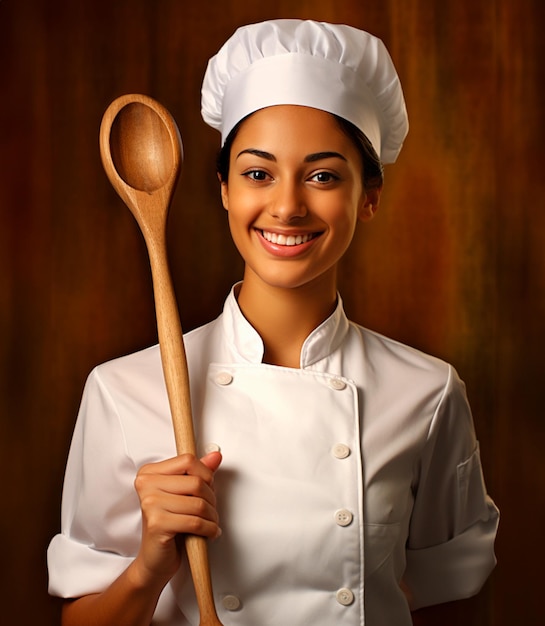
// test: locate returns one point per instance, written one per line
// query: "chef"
(338, 477)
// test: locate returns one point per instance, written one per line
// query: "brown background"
(454, 263)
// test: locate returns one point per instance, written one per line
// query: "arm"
(176, 497)
(450, 551)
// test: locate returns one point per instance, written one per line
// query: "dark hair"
(373, 172)
(373, 175)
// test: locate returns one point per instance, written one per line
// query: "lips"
(287, 246)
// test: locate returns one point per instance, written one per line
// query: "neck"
(284, 318)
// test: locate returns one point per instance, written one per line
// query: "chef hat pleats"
(331, 67)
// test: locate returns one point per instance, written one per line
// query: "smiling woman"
(341, 466)
(293, 174)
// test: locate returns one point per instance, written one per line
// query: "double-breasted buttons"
(345, 596)
(338, 460)
(340, 451)
(231, 602)
(336, 383)
(224, 378)
(343, 517)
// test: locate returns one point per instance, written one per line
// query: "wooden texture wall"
(454, 263)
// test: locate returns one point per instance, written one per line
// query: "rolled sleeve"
(450, 550)
(455, 569)
(100, 521)
(77, 569)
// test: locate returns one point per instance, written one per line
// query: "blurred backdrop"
(453, 264)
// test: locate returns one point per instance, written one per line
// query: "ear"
(224, 194)
(369, 204)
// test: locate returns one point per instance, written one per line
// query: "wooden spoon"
(141, 153)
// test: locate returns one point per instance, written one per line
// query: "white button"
(224, 378)
(340, 451)
(231, 603)
(211, 447)
(336, 383)
(343, 517)
(345, 596)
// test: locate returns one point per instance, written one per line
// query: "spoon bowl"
(141, 147)
(141, 152)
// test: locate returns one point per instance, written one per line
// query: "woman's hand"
(176, 497)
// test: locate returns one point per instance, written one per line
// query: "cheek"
(241, 215)
(236, 233)
(242, 204)
(343, 227)
(343, 215)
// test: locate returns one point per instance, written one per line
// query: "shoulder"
(140, 372)
(423, 391)
(203, 335)
(387, 355)
(133, 369)
(392, 371)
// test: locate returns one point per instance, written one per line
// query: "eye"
(324, 177)
(256, 175)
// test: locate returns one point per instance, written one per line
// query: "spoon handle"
(177, 381)
(173, 357)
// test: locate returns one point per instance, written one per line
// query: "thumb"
(212, 460)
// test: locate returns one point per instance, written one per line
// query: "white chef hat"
(331, 67)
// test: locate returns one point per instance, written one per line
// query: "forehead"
(295, 127)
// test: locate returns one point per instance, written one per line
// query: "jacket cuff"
(453, 570)
(76, 569)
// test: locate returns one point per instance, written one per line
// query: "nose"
(287, 203)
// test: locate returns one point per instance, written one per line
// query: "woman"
(340, 478)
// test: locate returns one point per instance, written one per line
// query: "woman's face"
(294, 195)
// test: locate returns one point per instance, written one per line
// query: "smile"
(287, 240)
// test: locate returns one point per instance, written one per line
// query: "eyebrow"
(310, 158)
(259, 153)
(319, 156)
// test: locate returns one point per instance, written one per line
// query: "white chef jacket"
(338, 479)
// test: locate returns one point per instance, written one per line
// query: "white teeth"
(283, 240)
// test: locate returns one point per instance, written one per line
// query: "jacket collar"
(247, 346)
